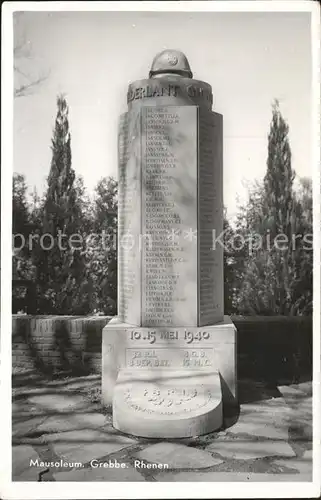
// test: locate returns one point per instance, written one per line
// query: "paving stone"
(301, 420)
(301, 430)
(274, 410)
(177, 456)
(304, 387)
(106, 434)
(288, 390)
(17, 407)
(28, 391)
(92, 419)
(268, 419)
(58, 402)
(26, 427)
(60, 423)
(22, 470)
(83, 384)
(276, 406)
(298, 401)
(100, 474)
(299, 465)
(308, 455)
(303, 406)
(68, 381)
(238, 449)
(227, 477)
(259, 428)
(83, 446)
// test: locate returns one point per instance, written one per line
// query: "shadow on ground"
(61, 417)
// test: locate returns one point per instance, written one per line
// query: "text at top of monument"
(170, 200)
(171, 76)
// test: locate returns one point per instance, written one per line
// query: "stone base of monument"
(139, 359)
(167, 404)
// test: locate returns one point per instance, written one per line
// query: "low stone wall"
(51, 343)
(273, 349)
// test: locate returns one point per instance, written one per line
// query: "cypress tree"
(61, 267)
(61, 196)
(279, 177)
(277, 277)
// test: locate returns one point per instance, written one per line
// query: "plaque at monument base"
(167, 405)
(169, 359)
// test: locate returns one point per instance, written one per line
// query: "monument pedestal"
(141, 366)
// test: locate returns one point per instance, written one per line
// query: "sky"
(249, 59)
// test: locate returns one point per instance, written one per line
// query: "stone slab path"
(62, 433)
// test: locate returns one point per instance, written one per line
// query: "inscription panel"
(170, 358)
(129, 218)
(169, 210)
(210, 185)
(168, 400)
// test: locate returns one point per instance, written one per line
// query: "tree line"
(268, 258)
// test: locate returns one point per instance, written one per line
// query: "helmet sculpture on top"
(170, 61)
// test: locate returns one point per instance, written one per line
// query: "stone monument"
(169, 358)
